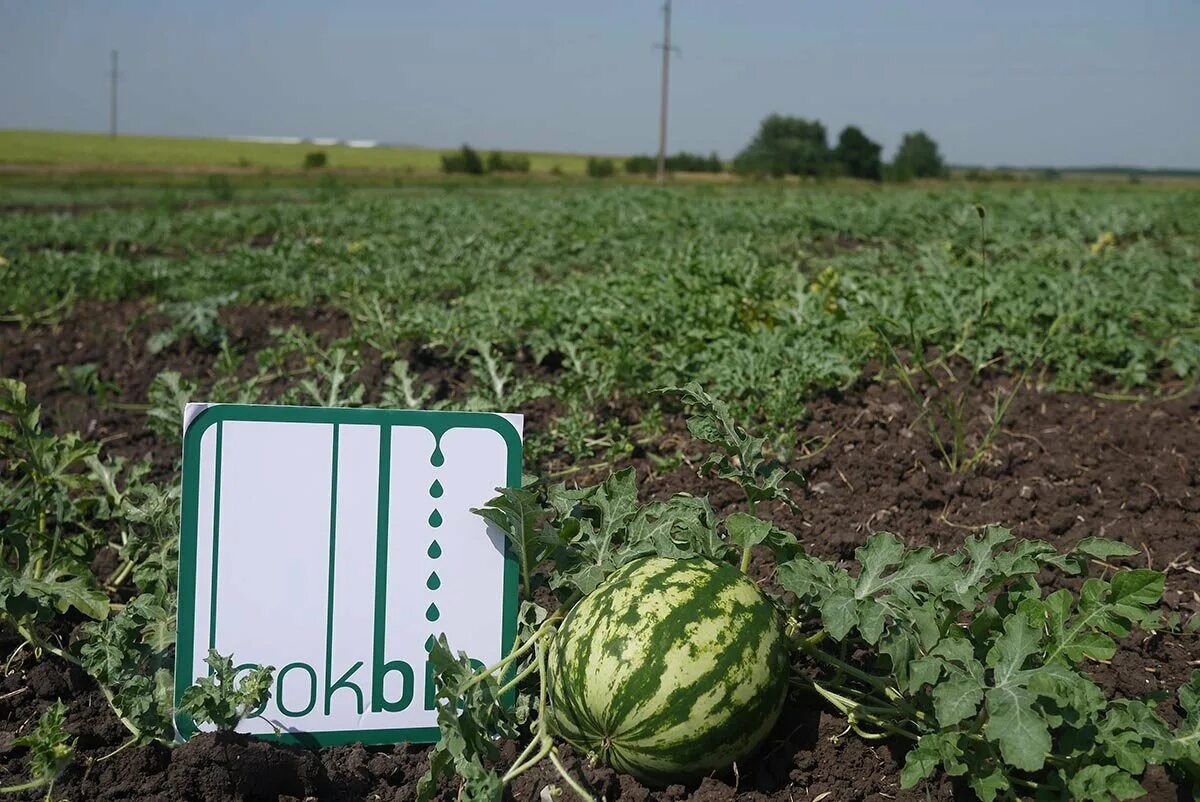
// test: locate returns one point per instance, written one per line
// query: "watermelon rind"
(669, 670)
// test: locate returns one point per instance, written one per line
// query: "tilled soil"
(1066, 467)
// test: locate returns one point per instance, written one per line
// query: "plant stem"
(119, 576)
(746, 552)
(520, 650)
(512, 683)
(38, 643)
(29, 786)
(576, 787)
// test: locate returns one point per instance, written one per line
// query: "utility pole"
(112, 108)
(662, 112)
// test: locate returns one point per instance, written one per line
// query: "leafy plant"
(221, 699)
(198, 320)
(403, 390)
(981, 667)
(85, 380)
(47, 535)
(168, 396)
(944, 402)
(739, 458)
(51, 751)
(966, 654)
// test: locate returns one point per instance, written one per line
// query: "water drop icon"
(435, 519)
(432, 614)
(435, 489)
(429, 644)
(434, 551)
(434, 582)
(437, 459)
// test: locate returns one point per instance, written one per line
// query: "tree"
(466, 160)
(786, 146)
(858, 156)
(918, 157)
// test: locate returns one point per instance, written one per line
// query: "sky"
(1051, 82)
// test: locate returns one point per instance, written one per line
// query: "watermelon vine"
(965, 656)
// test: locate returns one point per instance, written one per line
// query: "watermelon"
(670, 669)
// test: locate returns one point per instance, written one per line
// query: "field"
(99, 151)
(929, 359)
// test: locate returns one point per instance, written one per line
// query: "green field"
(764, 294)
(74, 150)
(860, 349)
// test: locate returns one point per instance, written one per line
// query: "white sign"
(334, 544)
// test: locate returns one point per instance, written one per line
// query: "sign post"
(335, 545)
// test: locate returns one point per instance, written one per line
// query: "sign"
(334, 544)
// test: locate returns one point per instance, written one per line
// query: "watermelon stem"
(746, 553)
(522, 649)
(512, 683)
(576, 787)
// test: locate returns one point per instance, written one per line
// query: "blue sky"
(1015, 82)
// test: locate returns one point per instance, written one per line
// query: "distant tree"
(315, 160)
(682, 162)
(498, 162)
(786, 146)
(858, 156)
(641, 165)
(918, 157)
(465, 160)
(600, 168)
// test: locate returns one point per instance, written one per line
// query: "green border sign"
(438, 423)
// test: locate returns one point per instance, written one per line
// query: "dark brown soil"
(1067, 466)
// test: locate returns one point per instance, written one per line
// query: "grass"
(76, 150)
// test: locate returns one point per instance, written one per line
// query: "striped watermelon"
(668, 670)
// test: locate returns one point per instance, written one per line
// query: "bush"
(682, 162)
(315, 160)
(787, 146)
(466, 160)
(600, 168)
(857, 155)
(498, 162)
(641, 165)
(918, 157)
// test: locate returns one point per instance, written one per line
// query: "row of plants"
(765, 297)
(978, 658)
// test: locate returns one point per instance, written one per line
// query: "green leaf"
(515, 512)
(1013, 721)
(1101, 548)
(684, 526)
(220, 698)
(51, 749)
(956, 700)
(746, 530)
(988, 781)
(839, 613)
(932, 750)
(740, 457)
(1103, 783)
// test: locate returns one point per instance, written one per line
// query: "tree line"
(796, 146)
(782, 146)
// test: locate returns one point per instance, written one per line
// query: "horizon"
(355, 143)
(1083, 86)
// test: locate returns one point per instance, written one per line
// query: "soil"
(1065, 467)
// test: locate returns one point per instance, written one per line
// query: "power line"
(666, 48)
(112, 107)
